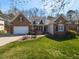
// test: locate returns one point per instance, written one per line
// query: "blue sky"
(5, 5)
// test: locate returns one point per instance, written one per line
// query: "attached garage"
(20, 30)
(20, 25)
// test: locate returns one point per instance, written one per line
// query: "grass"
(42, 48)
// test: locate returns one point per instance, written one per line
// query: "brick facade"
(67, 26)
(19, 20)
(60, 20)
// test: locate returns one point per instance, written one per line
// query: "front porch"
(39, 29)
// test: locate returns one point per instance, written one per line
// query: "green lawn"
(42, 48)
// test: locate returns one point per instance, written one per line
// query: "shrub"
(29, 33)
(72, 33)
(2, 32)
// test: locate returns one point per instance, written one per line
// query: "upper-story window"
(60, 21)
(21, 19)
(34, 22)
(60, 27)
(41, 22)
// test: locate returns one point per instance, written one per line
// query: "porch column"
(43, 28)
(38, 28)
(32, 27)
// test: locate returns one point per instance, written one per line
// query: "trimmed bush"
(78, 34)
(72, 33)
(29, 33)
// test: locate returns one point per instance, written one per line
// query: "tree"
(41, 12)
(48, 6)
(54, 6)
(72, 15)
(10, 15)
(35, 11)
(1, 13)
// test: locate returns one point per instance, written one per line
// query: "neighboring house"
(2, 24)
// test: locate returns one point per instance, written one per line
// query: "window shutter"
(56, 28)
(64, 28)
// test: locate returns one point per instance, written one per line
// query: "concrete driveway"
(8, 39)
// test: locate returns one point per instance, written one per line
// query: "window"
(41, 22)
(60, 21)
(60, 28)
(34, 22)
(21, 19)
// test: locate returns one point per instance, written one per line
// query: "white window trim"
(60, 27)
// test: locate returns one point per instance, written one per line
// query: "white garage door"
(20, 29)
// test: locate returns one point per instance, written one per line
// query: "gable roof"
(61, 16)
(54, 19)
(51, 19)
(38, 19)
(18, 14)
(15, 17)
(2, 19)
(41, 22)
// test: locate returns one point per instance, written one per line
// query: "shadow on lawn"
(60, 38)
